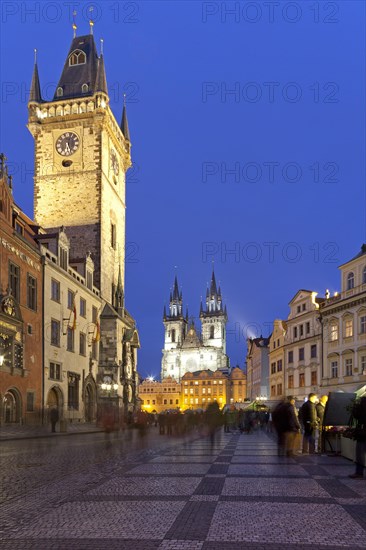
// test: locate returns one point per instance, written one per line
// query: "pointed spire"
(176, 295)
(124, 121)
(74, 26)
(213, 288)
(35, 91)
(101, 80)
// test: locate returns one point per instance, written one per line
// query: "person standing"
(54, 417)
(320, 409)
(309, 421)
(292, 425)
(359, 414)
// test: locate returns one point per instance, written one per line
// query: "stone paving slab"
(161, 500)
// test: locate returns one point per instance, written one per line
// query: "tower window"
(77, 58)
(350, 281)
(173, 335)
(59, 91)
(84, 88)
(113, 235)
(212, 331)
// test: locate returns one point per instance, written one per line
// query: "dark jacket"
(308, 415)
(320, 409)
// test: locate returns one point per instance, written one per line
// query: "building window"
(77, 58)
(304, 307)
(73, 390)
(350, 281)
(273, 390)
(301, 330)
(31, 292)
(333, 332)
(113, 236)
(55, 290)
(70, 299)
(348, 328)
(212, 331)
(273, 368)
(279, 389)
(295, 332)
(165, 401)
(307, 328)
(63, 258)
(19, 228)
(14, 280)
(363, 324)
(348, 367)
(290, 356)
(334, 369)
(298, 309)
(55, 333)
(55, 371)
(60, 91)
(301, 354)
(84, 88)
(82, 307)
(70, 339)
(173, 335)
(82, 344)
(302, 380)
(313, 351)
(290, 381)
(279, 366)
(314, 378)
(30, 401)
(364, 276)
(363, 364)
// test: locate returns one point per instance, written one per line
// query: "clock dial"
(114, 163)
(67, 144)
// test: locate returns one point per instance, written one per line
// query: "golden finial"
(74, 22)
(35, 55)
(101, 46)
(91, 22)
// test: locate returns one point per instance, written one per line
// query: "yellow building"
(160, 396)
(277, 360)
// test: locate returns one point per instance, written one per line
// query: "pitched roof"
(361, 253)
(35, 91)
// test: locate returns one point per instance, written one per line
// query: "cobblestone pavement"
(87, 492)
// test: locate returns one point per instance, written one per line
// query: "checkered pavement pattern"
(233, 495)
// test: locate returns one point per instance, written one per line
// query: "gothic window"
(14, 280)
(59, 92)
(350, 281)
(77, 58)
(173, 335)
(84, 88)
(212, 331)
(113, 236)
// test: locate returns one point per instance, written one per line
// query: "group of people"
(291, 423)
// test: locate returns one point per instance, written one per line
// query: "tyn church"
(186, 349)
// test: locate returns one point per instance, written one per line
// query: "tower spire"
(74, 26)
(124, 121)
(101, 80)
(35, 90)
(91, 22)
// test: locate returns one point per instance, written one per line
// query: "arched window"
(173, 335)
(77, 58)
(350, 280)
(84, 88)
(364, 276)
(212, 331)
(60, 91)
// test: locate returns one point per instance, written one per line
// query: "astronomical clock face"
(114, 163)
(67, 144)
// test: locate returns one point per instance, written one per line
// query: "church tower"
(81, 158)
(214, 318)
(175, 325)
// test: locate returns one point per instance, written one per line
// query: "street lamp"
(1, 359)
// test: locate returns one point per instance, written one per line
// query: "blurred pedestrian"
(359, 414)
(291, 425)
(279, 417)
(320, 409)
(54, 417)
(309, 421)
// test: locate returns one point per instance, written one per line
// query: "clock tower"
(81, 158)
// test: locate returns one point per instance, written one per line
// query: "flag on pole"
(96, 333)
(73, 315)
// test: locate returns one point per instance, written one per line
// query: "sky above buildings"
(248, 143)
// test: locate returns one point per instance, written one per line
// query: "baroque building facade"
(257, 361)
(186, 349)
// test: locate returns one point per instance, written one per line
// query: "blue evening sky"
(248, 138)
